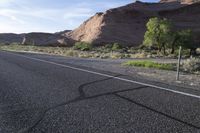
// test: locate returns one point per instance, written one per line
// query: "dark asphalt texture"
(38, 97)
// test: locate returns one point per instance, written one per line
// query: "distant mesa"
(37, 38)
(8, 38)
(46, 39)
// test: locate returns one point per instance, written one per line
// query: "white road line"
(106, 75)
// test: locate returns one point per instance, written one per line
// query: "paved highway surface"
(41, 95)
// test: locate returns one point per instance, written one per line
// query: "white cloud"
(5, 1)
(11, 14)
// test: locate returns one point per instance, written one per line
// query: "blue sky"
(21, 16)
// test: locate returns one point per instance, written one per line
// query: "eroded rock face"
(89, 31)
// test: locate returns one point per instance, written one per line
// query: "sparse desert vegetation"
(79, 50)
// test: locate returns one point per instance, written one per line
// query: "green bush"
(116, 46)
(14, 43)
(108, 46)
(84, 46)
(150, 64)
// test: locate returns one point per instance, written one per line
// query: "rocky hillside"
(126, 25)
(46, 39)
(39, 39)
(7, 38)
(181, 1)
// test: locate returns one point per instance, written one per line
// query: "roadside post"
(178, 65)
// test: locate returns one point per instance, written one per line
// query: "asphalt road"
(41, 95)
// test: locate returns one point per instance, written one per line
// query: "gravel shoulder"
(163, 76)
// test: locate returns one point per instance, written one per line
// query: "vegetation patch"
(150, 64)
(160, 35)
(116, 47)
(82, 52)
(83, 46)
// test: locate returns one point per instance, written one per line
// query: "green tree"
(158, 33)
(185, 39)
(175, 38)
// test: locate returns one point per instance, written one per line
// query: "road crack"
(156, 111)
(82, 96)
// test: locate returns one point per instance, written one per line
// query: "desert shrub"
(71, 52)
(191, 65)
(150, 64)
(108, 46)
(198, 51)
(116, 46)
(103, 49)
(14, 43)
(184, 53)
(104, 56)
(116, 55)
(139, 54)
(84, 46)
(84, 55)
